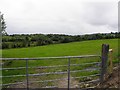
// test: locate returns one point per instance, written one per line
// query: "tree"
(2, 25)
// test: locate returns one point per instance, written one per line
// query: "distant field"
(67, 49)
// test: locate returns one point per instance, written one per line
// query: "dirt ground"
(112, 80)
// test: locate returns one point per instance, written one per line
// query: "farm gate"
(55, 72)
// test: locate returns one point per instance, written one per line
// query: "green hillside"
(67, 49)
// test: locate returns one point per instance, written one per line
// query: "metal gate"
(54, 72)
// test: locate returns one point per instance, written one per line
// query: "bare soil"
(64, 83)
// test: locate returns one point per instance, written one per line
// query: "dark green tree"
(2, 25)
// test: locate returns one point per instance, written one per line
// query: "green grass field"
(67, 49)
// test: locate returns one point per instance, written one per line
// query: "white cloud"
(59, 16)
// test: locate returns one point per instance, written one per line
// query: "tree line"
(30, 40)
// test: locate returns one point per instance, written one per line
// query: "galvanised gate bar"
(66, 71)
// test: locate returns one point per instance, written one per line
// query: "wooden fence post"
(105, 51)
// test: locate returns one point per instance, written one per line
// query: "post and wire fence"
(55, 72)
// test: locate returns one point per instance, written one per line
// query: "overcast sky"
(60, 16)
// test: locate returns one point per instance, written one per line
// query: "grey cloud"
(101, 14)
(60, 16)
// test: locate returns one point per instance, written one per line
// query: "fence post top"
(105, 44)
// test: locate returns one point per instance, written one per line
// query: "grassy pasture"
(67, 49)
